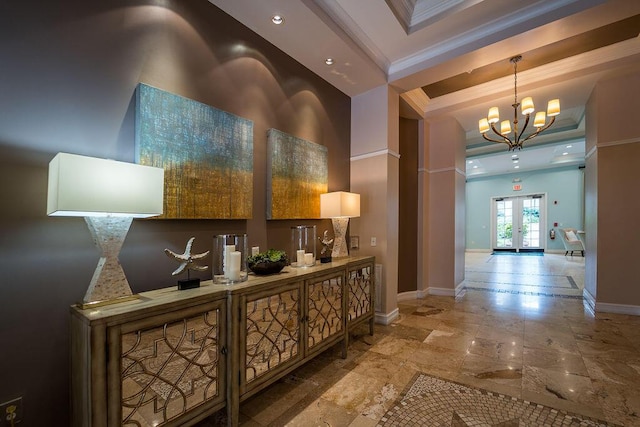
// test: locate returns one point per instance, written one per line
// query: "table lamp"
(339, 206)
(108, 194)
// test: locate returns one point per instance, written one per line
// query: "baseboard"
(443, 292)
(604, 307)
(632, 310)
(411, 295)
(485, 251)
(386, 319)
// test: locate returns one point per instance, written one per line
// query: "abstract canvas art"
(297, 173)
(206, 153)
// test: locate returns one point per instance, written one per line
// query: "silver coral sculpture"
(187, 259)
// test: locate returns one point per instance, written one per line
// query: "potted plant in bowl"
(269, 262)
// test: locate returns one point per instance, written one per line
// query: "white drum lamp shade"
(88, 186)
(339, 206)
(109, 194)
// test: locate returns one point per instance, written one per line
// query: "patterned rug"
(431, 401)
(521, 253)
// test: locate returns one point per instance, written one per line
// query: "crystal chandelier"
(516, 140)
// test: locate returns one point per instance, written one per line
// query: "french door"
(518, 223)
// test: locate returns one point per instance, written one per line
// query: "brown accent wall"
(408, 210)
(69, 70)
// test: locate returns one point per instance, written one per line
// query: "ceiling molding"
(428, 12)
(403, 11)
(501, 27)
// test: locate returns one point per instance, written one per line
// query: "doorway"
(518, 223)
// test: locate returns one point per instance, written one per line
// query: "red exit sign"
(517, 187)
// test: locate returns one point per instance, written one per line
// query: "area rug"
(517, 253)
(431, 401)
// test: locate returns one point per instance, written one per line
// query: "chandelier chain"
(515, 81)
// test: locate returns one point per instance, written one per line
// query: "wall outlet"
(374, 242)
(11, 410)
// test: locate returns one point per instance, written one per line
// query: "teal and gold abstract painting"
(297, 173)
(206, 153)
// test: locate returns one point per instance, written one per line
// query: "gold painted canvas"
(206, 153)
(297, 173)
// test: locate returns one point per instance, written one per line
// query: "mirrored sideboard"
(172, 358)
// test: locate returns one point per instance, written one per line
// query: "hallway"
(504, 335)
(532, 274)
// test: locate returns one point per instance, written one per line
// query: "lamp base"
(108, 281)
(188, 284)
(340, 237)
(325, 259)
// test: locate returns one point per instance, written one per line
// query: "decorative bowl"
(269, 262)
(267, 267)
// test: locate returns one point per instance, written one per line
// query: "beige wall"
(446, 229)
(612, 177)
(374, 175)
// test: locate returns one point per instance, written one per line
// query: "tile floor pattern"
(506, 336)
(444, 403)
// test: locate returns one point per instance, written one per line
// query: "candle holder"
(230, 258)
(303, 246)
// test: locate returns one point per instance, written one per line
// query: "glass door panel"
(518, 223)
(530, 230)
(504, 224)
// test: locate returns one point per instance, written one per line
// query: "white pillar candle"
(300, 258)
(225, 260)
(308, 259)
(234, 265)
(255, 250)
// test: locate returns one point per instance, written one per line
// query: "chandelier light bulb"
(527, 106)
(494, 115)
(505, 127)
(540, 119)
(553, 107)
(483, 125)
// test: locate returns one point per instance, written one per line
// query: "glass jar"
(303, 246)
(230, 258)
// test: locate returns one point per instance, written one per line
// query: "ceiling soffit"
(599, 37)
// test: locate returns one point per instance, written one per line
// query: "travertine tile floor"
(520, 329)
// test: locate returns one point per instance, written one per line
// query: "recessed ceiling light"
(277, 19)
(514, 156)
(516, 167)
(328, 61)
(475, 167)
(565, 153)
(569, 146)
(470, 161)
(516, 161)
